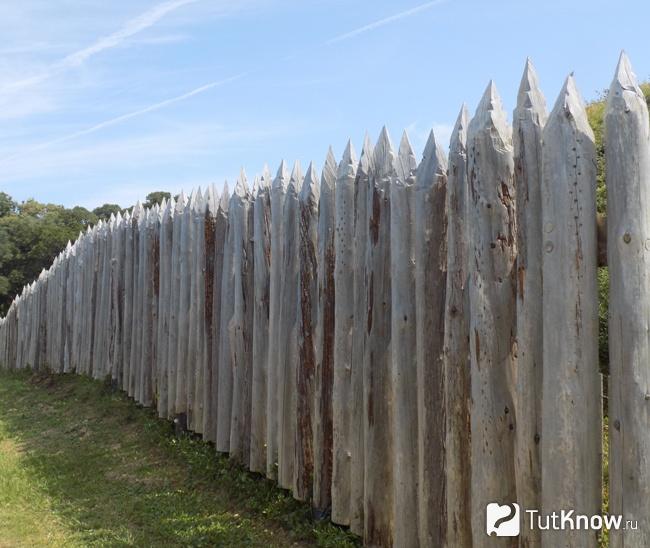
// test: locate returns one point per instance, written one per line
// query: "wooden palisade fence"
(398, 343)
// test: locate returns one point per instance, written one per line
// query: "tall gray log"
(127, 299)
(403, 341)
(571, 408)
(206, 261)
(528, 122)
(323, 384)
(430, 243)
(307, 321)
(357, 468)
(224, 399)
(343, 326)
(197, 316)
(287, 388)
(261, 260)
(220, 234)
(117, 289)
(164, 309)
(137, 318)
(627, 140)
(175, 286)
(278, 193)
(241, 328)
(69, 305)
(492, 288)
(183, 363)
(456, 344)
(377, 387)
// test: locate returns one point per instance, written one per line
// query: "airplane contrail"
(151, 17)
(128, 116)
(385, 21)
(130, 28)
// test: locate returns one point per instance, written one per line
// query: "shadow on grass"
(117, 475)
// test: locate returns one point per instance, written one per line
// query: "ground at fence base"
(82, 465)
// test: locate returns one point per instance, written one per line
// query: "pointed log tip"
(530, 96)
(431, 145)
(281, 177)
(297, 177)
(309, 189)
(490, 101)
(349, 154)
(241, 187)
(367, 147)
(570, 108)
(405, 147)
(384, 156)
(458, 140)
(625, 76)
(282, 170)
(225, 197)
(328, 175)
(490, 114)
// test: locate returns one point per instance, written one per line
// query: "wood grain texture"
(528, 122)
(303, 477)
(430, 249)
(492, 255)
(403, 342)
(324, 376)
(627, 138)
(343, 329)
(377, 390)
(262, 257)
(571, 410)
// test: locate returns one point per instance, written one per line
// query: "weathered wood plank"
(403, 342)
(196, 335)
(430, 245)
(287, 372)
(378, 409)
(206, 261)
(360, 277)
(571, 407)
(343, 329)
(456, 343)
(627, 149)
(220, 234)
(492, 307)
(307, 320)
(164, 308)
(278, 193)
(241, 329)
(224, 399)
(175, 285)
(324, 379)
(528, 122)
(261, 260)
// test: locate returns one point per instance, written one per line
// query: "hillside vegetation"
(596, 112)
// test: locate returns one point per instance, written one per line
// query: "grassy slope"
(81, 465)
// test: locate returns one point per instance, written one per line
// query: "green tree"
(157, 197)
(7, 205)
(105, 211)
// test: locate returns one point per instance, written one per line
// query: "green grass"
(82, 465)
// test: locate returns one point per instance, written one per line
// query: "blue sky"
(107, 101)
